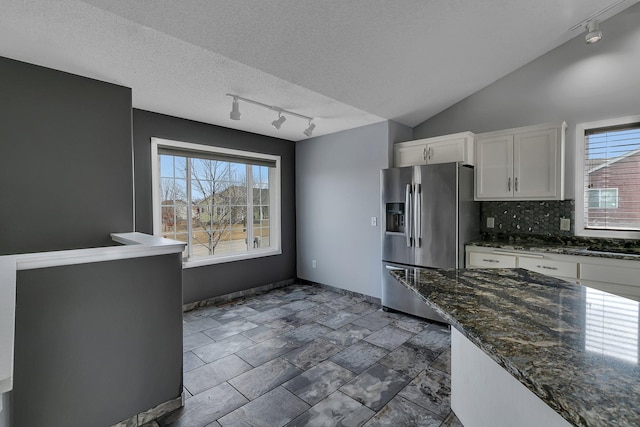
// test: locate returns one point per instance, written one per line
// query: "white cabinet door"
(536, 158)
(409, 154)
(454, 150)
(521, 164)
(494, 167)
(457, 147)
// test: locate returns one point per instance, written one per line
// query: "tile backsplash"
(527, 217)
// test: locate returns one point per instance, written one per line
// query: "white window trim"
(579, 180)
(274, 195)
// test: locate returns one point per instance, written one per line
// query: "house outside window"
(225, 204)
(608, 178)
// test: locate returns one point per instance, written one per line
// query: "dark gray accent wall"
(97, 343)
(209, 281)
(65, 168)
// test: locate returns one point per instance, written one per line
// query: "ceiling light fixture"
(308, 131)
(235, 109)
(594, 34)
(277, 124)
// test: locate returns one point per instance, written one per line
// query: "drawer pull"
(518, 254)
(490, 260)
(547, 267)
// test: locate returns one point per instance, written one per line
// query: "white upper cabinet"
(442, 149)
(521, 164)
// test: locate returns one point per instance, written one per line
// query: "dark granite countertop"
(591, 251)
(565, 342)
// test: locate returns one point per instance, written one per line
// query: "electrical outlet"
(565, 224)
(313, 263)
(374, 221)
(491, 222)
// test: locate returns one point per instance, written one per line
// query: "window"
(602, 198)
(225, 204)
(608, 178)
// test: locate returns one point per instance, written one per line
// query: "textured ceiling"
(347, 63)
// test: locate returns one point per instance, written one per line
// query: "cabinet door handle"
(546, 267)
(429, 152)
(424, 153)
(515, 184)
(509, 184)
(490, 260)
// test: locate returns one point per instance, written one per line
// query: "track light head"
(235, 110)
(308, 131)
(594, 34)
(277, 124)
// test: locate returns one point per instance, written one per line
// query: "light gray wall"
(337, 193)
(575, 82)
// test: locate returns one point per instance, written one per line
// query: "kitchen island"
(573, 348)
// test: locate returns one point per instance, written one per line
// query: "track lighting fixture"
(592, 24)
(308, 131)
(594, 34)
(235, 109)
(279, 121)
(277, 124)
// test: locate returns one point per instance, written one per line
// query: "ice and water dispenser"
(395, 217)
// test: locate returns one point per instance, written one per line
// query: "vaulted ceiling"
(347, 63)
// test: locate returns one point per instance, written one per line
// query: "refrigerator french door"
(428, 215)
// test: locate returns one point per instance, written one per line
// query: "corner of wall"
(5, 409)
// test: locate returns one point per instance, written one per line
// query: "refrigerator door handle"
(418, 216)
(408, 214)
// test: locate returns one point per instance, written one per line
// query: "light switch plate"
(491, 222)
(565, 224)
(374, 221)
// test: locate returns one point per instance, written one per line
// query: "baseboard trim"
(148, 418)
(367, 298)
(222, 299)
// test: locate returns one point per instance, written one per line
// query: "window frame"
(275, 237)
(580, 201)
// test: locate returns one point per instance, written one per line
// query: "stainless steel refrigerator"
(428, 214)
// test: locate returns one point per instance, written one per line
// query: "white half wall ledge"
(133, 245)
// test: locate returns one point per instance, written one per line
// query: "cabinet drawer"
(610, 274)
(627, 291)
(479, 259)
(549, 267)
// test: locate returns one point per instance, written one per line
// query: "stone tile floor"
(307, 356)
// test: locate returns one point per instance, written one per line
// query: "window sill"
(201, 262)
(608, 234)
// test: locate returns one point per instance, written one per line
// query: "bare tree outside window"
(219, 206)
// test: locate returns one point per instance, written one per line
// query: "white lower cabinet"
(616, 276)
(484, 260)
(555, 268)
